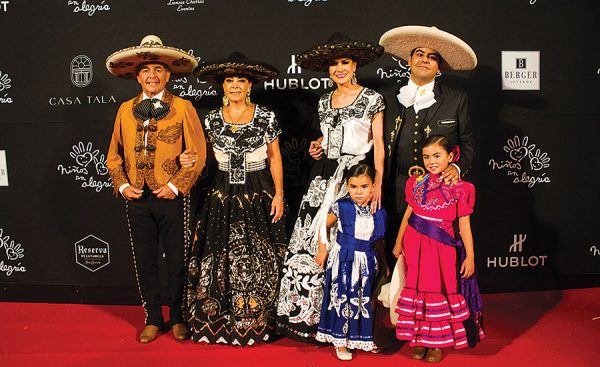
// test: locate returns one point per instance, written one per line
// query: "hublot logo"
(296, 83)
(517, 261)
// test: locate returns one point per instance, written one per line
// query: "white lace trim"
(367, 346)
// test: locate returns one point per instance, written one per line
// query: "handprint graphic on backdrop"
(13, 251)
(538, 160)
(101, 168)
(4, 81)
(294, 153)
(83, 154)
(518, 149)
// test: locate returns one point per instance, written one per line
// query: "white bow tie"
(421, 98)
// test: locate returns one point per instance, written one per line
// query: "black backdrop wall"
(64, 237)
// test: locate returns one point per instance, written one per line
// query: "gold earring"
(247, 97)
(225, 101)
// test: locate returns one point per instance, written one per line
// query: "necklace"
(236, 122)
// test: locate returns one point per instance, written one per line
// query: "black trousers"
(150, 218)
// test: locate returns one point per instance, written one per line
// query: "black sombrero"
(215, 71)
(339, 45)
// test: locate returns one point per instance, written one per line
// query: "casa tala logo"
(81, 72)
(12, 255)
(191, 87)
(525, 163)
(517, 256)
(293, 82)
(4, 5)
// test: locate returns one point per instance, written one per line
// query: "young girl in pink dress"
(437, 309)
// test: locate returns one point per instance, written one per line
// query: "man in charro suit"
(421, 108)
(150, 132)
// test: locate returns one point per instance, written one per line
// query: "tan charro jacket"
(157, 163)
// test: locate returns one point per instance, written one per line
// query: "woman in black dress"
(233, 277)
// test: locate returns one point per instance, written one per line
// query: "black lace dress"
(234, 268)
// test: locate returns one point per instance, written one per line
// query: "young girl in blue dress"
(346, 315)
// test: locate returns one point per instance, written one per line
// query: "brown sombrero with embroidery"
(339, 45)
(237, 64)
(401, 41)
(124, 63)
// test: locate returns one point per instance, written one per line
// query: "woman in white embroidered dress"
(351, 121)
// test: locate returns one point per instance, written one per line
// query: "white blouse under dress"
(346, 129)
(238, 145)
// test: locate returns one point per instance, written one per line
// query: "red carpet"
(545, 329)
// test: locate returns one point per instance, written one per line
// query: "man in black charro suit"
(421, 108)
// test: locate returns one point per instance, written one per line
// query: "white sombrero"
(401, 41)
(123, 63)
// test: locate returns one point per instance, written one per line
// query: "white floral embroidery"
(316, 192)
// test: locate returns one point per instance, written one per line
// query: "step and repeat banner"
(533, 97)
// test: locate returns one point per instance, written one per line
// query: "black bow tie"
(149, 108)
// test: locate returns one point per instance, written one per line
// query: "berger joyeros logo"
(90, 8)
(87, 166)
(81, 72)
(296, 83)
(517, 258)
(525, 163)
(185, 87)
(4, 85)
(520, 70)
(13, 253)
(92, 253)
